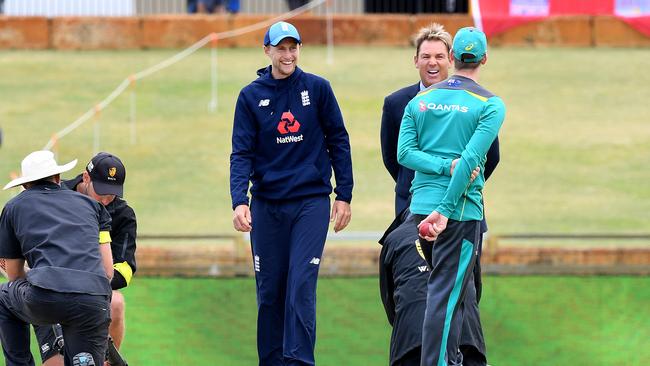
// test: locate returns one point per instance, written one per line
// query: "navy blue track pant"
(83, 318)
(287, 239)
(453, 256)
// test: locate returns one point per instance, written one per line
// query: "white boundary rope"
(170, 61)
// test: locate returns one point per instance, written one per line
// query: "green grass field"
(574, 147)
(574, 154)
(536, 321)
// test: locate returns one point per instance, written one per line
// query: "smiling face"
(433, 62)
(284, 57)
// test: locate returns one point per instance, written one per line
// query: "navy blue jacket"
(287, 136)
(391, 119)
(123, 235)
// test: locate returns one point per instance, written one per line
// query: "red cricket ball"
(425, 229)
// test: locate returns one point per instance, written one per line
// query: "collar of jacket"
(265, 77)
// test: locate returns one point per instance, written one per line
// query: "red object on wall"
(495, 14)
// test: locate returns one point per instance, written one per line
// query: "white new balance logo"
(264, 103)
(315, 261)
(423, 268)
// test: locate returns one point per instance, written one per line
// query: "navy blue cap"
(279, 31)
(107, 174)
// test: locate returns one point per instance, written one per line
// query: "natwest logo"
(288, 123)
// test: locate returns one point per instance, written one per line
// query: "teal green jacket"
(456, 118)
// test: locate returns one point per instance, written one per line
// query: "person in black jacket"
(288, 135)
(103, 180)
(403, 273)
(64, 238)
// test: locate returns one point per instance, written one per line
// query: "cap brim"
(44, 174)
(279, 39)
(102, 189)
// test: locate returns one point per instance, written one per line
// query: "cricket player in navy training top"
(288, 136)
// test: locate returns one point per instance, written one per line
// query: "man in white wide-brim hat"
(62, 235)
(39, 165)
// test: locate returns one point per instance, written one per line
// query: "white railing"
(55, 8)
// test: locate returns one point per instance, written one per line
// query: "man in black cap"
(103, 180)
(64, 238)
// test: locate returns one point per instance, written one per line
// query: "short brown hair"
(434, 32)
(460, 65)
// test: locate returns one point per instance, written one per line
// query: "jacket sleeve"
(409, 153)
(388, 138)
(123, 247)
(486, 132)
(338, 143)
(493, 157)
(386, 285)
(244, 135)
(9, 244)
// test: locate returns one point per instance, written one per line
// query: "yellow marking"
(419, 248)
(125, 270)
(104, 237)
(484, 99)
(469, 47)
(462, 211)
(427, 90)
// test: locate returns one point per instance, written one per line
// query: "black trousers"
(83, 318)
(452, 258)
(410, 358)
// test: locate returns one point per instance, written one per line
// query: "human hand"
(432, 226)
(241, 218)
(341, 215)
(475, 172)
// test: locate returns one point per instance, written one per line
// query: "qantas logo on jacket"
(288, 124)
(442, 107)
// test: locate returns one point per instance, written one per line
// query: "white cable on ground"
(172, 60)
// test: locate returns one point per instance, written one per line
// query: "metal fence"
(282, 6)
(53, 8)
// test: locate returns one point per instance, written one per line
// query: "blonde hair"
(434, 32)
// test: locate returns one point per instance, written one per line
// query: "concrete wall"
(177, 31)
(229, 261)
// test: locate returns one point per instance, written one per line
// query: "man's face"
(284, 57)
(104, 199)
(433, 62)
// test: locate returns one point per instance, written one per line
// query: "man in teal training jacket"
(446, 132)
